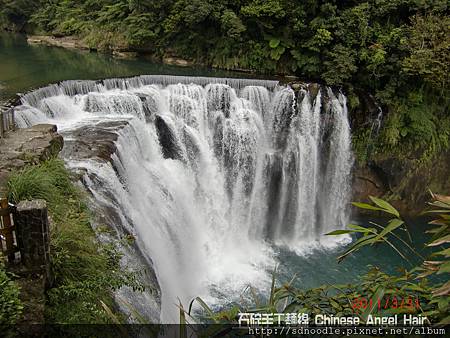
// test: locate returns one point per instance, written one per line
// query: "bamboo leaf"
(392, 225)
(204, 306)
(445, 321)
(440, 241)
(441, 204)
(360, 228)
(378, 294)
(114, 319)
(363, 241)
(440, 198)
(366, 206)
(445, 252)
(414, 287)
(109, 312)
(183, 322)
(334, 304)
(444, 268)
(437, 211)
(387, 207)
(443, 290)
(339, 232)
(437, 230)
(272, 287)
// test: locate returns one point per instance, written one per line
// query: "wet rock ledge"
(64, 42)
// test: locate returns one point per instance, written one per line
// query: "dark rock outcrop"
(167, 140)
(406, 182)
(93, 141)
(367, 182)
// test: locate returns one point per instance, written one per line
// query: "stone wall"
(406, 183)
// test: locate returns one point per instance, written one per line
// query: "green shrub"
(10, 305)
(49, 181)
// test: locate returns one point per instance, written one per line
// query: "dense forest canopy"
(397, 50)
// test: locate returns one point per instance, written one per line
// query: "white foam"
(252, 171)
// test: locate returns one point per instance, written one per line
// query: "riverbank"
(73, 42)
(64, 42)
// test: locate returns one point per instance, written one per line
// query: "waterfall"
(208, 174)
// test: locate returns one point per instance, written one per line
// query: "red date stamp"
(387, 302)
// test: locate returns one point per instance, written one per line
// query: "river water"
(25, 66)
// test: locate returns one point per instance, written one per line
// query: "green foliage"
(14, 14)
(364, 45)
(418, 121)
(428, 43)
(394, 233)
(437, 294)
(232, 24)
(439, 262)
(346, 300)
(321, 38)
(45, 181)
(340, 66)
(85, 271)
(262, 8)
(10, 305)
(381, 38)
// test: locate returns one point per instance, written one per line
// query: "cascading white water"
(209, 174)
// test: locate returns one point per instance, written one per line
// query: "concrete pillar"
(32, 234)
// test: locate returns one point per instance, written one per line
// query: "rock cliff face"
(27, 146)
(406, 181)
(367, 183)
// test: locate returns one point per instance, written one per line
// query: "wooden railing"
(7, 230)
(7, 121)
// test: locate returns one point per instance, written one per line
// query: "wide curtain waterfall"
(209, 175)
